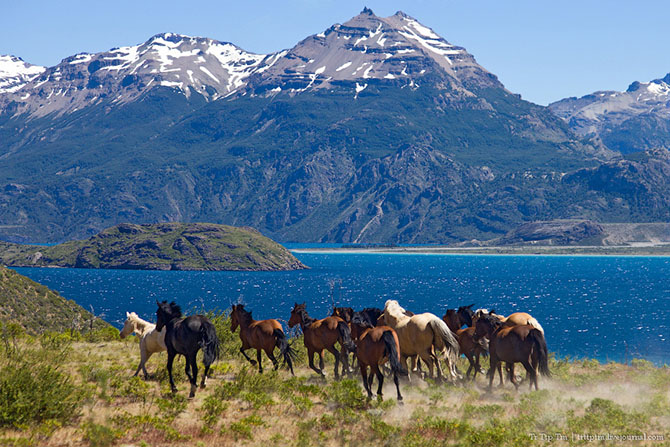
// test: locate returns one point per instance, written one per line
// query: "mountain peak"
(367, 11)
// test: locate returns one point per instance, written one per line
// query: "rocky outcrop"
(558, 232)
(168, 246)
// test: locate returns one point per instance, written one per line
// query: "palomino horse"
(374, 346)
(186, 337)
(511, 344)
(151, 340)
(323, 334)
(472, 349)
(422, 335)
(261, 335)
(515, 319)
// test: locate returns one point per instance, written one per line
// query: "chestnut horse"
(511, 344)
(517, 318)
(374, 346)
(323, 334)
(261, 335)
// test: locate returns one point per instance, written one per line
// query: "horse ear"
(470, 306)
(157, 303)
(492, 311)
(127, 315)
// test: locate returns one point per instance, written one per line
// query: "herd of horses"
(381, 340)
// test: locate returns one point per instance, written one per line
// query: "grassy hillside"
(100, 404)
(38, 309)
(167, 246)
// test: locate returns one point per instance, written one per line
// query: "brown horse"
(323, 334)
(374, 346)
(514, 319)
(261, 335)
(511, 344)
(469, 347)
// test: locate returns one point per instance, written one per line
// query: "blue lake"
(609, 308)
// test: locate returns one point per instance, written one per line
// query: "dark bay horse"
(511, 344)
(261, 335)
(375, 345)
(323, 334)
(469, 347)
(370, 314)
(186, 337)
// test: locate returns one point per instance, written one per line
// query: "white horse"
(151, 340)
(422, 335)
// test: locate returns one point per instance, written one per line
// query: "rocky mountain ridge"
(633, 120)
(367, 49)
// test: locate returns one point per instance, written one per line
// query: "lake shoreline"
(659, 250)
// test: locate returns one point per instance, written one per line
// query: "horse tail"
(391, 351)
(345, 336)
(540, 346)
(444, 338)
(287, 352)
(209, 342)
(536, 324)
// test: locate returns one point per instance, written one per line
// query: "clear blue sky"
(544, 50)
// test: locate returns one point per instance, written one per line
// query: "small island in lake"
(162, 246)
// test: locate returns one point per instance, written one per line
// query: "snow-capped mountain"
(188, 64)
(367, 49)
(636, 119)
(15, 73)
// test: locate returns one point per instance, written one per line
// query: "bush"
(32, 393)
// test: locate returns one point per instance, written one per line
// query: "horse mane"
(306, 319)
(171, 309)
(245, 314)
(492, 320)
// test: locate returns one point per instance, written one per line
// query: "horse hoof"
(253, 362)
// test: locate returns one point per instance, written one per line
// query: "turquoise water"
(610, 308)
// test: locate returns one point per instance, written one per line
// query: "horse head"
(358, 326)
(452, 319)
(296, 314)
(485, 326)
(165, 313)
(345, 313)
(129, 325)
(465, 314)
(234, 318)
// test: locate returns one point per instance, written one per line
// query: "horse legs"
(170, 360)
(492, 369)
(403, 362)
(380, 379)
(203, 382)
(397, 385)
(272, 358)
(143, 359)
(194, 370)
(512, 376)
(468, 355)
(335, 353)
(532, 372)
(252, 361)
(364, 374)
(310, 357)
(258, 357)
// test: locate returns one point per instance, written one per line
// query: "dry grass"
(241, 407)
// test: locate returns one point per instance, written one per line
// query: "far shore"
(645, 249)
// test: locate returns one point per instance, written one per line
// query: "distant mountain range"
(631, 121)
(375, 130)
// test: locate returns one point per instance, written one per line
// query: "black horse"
(186, 337)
